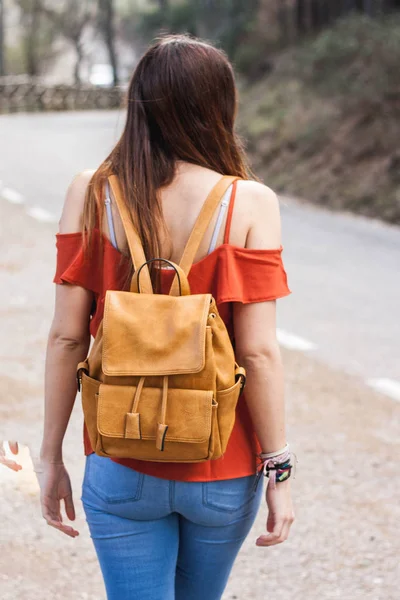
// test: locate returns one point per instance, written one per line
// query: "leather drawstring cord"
(162, 427)
(136, 399)
(132, 423)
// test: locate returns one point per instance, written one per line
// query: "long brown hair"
(182, 105)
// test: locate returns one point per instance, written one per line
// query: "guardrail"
(33, 95)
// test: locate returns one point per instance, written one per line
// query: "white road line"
(294, 342)
(40, 214)
(36, 212)
(11, 196)
(386, 386)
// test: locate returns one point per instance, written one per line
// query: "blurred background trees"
(69, 20)
(319, 79)
(32, 31)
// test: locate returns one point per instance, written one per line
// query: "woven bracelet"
(282, 471)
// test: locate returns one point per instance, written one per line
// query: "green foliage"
(227, 23)
(325, 124)
(15, 60)
(35, 47)
(357, 57)
(246, 56)
(176, 18)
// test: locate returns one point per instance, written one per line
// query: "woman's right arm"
(257, 350)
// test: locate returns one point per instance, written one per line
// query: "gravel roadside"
(344, 543)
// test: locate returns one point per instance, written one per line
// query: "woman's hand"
(280, 514)
(11, 464)
(55, 485)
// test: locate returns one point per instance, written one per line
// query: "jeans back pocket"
(229, 495)
(111, 482)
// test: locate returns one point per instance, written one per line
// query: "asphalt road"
(344, 271)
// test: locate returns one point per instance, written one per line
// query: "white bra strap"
(110, 219)
(213, 244)
(222, 210)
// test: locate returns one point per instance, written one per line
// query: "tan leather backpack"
(161, 382)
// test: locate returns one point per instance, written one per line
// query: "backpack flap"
(154, 334)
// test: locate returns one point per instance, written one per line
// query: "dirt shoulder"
(344, 542)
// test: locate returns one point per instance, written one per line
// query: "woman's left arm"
(68, 344)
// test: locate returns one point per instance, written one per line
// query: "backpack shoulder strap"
(230, 214)
(201, 225)
(134, 242)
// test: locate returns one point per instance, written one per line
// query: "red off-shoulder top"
(231, 274)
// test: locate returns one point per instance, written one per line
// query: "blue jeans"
(158, 539)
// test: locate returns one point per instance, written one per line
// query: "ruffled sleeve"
(247, 275)
(100, 268)
(77, 267)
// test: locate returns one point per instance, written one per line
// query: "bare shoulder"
(256, 196)
(71, 218)
(258, 206)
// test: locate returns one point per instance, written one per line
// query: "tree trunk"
(368, 6)
(2, 41)
(78, 61)
(329, 11)
(300, 16)
(282, 11)
(349, 5)
(304, 15)
(107, 24)
(32, 65)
